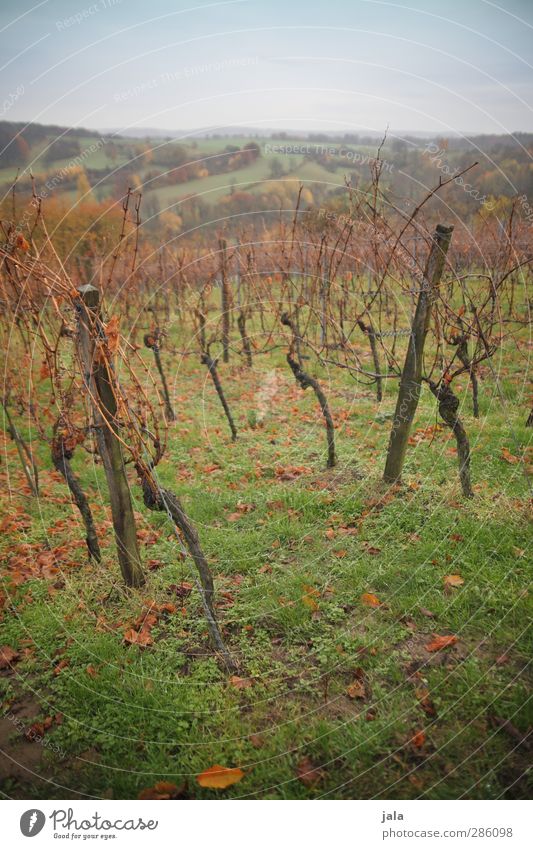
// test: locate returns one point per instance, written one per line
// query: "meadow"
(333, 591)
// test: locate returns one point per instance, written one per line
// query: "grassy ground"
(335, 698)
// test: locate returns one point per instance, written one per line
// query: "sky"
(464, 66)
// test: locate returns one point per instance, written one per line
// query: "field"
(332, 589)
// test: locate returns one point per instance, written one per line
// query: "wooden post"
(104, 407)
(410, 383)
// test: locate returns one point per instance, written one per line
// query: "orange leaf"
(508, 457)
(439, 642)
(418, 739)
(219, 777)
(370, 600)
(356, 690)
(453, 581)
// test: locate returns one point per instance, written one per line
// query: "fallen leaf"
(240, 683)
(308, 773)
(7, 656)
(370, 600)
(181, 590)
(418, 739)
(309, 597)
(137, 638)
(453, 581)
(439, 642)
(152, 565)
(356, 690)
(219, 777)
(508, 457)
(162, 790)
(58, 668)
(422, 694)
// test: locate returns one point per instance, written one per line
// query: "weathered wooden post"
(104, 406)
(410, 383)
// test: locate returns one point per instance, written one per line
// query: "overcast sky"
(343, 65)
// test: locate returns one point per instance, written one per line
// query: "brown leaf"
(240, 683)
(7, 656)
(219, 777)
(181, 590)
(308, 773)
(137, 638)
(58, 668)
(162, 790)
(422, 694)
(152, 565)
(440, 642)
(112, 334)
(167, 607)
(356, 690)
(257, 741)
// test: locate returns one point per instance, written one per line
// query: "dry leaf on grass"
(453, 581)
(438, 642)
(240, 683)
(356, 690)
(308, 773)
(7, 656)
(370, 600)
(162, 790)
(418, 739)
(219, 777)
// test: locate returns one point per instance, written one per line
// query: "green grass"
(169, 711)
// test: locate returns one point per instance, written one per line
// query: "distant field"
(126, 151)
